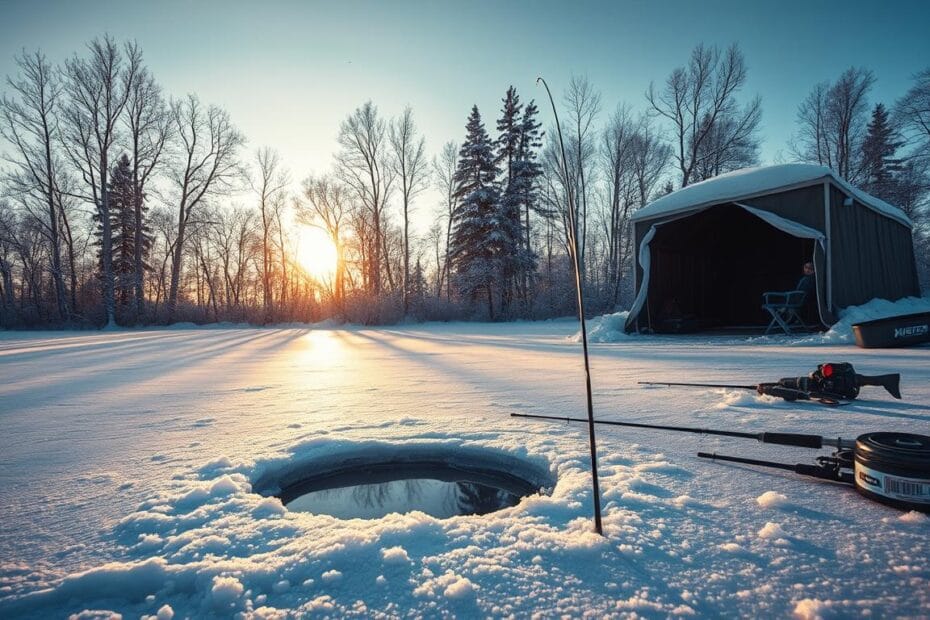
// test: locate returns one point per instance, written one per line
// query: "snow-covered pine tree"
(508, 141)
(525, 184)
(123, 231)
(508, 211)
(122, 216)
(516, 156)
(419, 289)
(878, 156)
(476, 239)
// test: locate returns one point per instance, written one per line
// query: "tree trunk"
(106, 248)
(72, 260)
(406, 251)
(172, 302)
(60, 295)
(138, 265)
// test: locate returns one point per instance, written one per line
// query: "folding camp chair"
(784, 307)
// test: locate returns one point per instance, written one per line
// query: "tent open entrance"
(708, 270)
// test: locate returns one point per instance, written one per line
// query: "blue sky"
(289, 72)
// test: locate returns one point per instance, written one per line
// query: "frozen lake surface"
(130, 463)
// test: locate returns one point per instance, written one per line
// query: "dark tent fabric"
(706, 254)
(888, 265)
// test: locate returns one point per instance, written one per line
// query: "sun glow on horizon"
(316, 253)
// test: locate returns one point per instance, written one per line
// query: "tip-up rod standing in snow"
(831, 384)
(891, 468)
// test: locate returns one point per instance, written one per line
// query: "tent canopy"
(706, 253)
(749, 182)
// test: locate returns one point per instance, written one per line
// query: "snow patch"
(227, 485)
(96, 614)
(772, 530)
(842, 331)
(269, 507)
(771, 499)
(395, 555)
(226, 591)
(812, 609)
(331, 576)
(165, 612)
(915, 518)
(459, 589)
(449, 585)
(606, 328)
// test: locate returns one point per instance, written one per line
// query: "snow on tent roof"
(746, 182)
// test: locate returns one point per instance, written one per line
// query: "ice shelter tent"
(707, 252)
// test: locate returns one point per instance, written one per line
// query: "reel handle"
(779, 390)
(792, 439)
(891, 382)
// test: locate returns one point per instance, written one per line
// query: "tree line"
(123, 205)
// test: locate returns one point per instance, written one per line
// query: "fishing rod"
(782, 439)
(832, 384)
(579, 292)
(887, 467)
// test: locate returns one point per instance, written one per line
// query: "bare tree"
(234, 233)
(410, 168)
(7, 223)
(150, 129)
(270, 185)
(327, 207)
(278, 211)
(833, 120)
(617, 155)
(651, 158)
(98, 88)
(362, 163)
(29, 123)
(444, 168)
(584, 105)
(699, 101)
(207, 164)
(912, 114)
(720, 152)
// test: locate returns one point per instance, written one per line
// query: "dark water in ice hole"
(436, 489)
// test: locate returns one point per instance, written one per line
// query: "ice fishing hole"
(371, 489)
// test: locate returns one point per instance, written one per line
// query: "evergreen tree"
(878, 156)
(526, 173)
(419, 289)
(508, 141)
(123, 231)
(476, 239)
(508, 212)
(516, 155)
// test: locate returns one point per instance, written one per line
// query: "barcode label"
(906, 487)
(912, 490)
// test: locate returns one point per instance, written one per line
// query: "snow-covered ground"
(127, 462)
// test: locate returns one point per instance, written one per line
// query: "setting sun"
(315, 252)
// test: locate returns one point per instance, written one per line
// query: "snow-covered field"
(127, 461)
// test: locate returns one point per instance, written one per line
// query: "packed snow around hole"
(132, 463)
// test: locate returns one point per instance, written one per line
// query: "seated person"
(808, 284)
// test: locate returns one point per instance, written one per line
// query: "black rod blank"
(814, 471)
(783, 439)
(710, 385)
